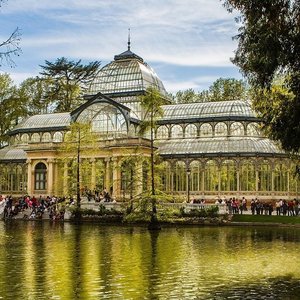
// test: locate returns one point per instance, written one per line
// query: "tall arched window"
(166, 177)
(280, 177)
(247, 176)
(191, 131)
(195, 177)
(40, 177)
(211, 176)
(179, 177)
(264, 176)
(228, 176)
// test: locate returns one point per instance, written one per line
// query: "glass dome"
(126, 74)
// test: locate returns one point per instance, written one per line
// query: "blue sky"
(187, 42)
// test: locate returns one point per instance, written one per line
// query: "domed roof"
(126, 74)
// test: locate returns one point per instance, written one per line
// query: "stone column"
(65, 179)
(116, 179)
(50, 181)
(107, 183)
(138, 178)
(93, 179)
(29, 177)
(55, 179)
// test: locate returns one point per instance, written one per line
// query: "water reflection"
(65, 261)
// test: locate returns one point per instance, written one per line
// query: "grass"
(266, 219)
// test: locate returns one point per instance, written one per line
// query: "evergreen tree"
(70, 80)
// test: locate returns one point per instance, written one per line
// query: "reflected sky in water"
(65, 261)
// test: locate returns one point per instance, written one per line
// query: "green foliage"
(269, 48)
(32, 92)
(11, 107)
(223, 89)
(69, 80)
(79, 145)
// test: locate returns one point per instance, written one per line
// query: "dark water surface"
(65, 261)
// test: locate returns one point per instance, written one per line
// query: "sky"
(187, 42)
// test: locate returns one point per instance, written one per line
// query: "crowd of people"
(34, 207)
(256, 206)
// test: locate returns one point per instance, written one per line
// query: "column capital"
(28, 161)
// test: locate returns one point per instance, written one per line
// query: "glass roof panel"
(125, 75)
(220, 145)
(45, 121)
(208, 109)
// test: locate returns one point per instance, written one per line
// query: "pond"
(44, 260)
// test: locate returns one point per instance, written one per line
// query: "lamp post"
(188, 173)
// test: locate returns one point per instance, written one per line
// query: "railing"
(187, 206)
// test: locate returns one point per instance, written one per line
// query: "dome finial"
(128, 39)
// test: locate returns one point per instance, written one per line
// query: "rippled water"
(65, 261)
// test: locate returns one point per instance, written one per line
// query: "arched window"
(206, 130)
(195, 177)
(280, 177)
(40, 177)
(247, 176)
(35, 138)
(176, 132)
(162, 132)
(211, 176)
(264, 176)
(228, 176)
(166, 177)
(221, 129)
(237, 129)
(191, 131)
(25, 138)
(179, 179)
(57, 137)
(253, 129)
(46, 137)
(106, 119)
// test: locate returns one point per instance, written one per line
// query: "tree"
(151, 104)
(268, 49)
(11, 107)
(10, 46)
(69, 80)
(33, 93)
(226, 89)
(80, 142)
(223, 89)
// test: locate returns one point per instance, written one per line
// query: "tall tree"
(268, 48)
(10, 46)
(79, 143)
(151, 104)
(11, 107)
(69, 81)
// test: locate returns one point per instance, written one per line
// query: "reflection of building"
(209, 149)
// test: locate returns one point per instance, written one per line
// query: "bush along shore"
(141, 214)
